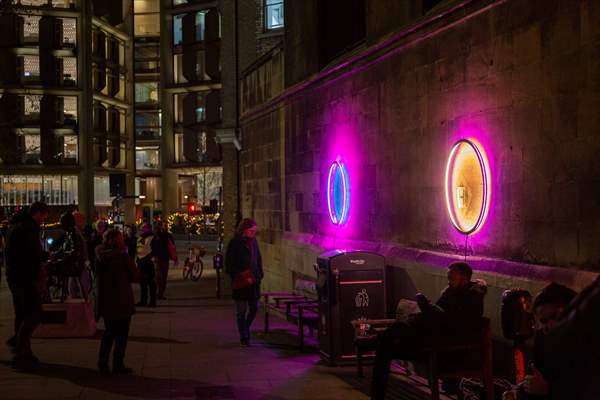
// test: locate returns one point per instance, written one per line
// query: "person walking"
(145, 265)
(243, 263)
(24, 258)
(116, 271)
(163, 249)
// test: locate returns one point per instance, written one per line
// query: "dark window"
(343, 27)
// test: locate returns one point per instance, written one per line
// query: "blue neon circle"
(338, 193)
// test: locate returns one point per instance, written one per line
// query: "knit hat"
(244, 224)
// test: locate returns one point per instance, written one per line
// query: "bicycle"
(193, 265)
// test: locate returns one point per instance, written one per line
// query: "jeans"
(27, 304)
(245, 311)
(399, 341)
(147, 282)
(116, 331)
(162, 272)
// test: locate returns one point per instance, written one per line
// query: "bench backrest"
(305, 285)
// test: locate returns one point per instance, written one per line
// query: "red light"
(191, 208)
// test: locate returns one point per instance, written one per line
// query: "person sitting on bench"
(454, 319)
(548, 308)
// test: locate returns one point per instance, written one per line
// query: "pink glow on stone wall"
(479, 134)
(341, 142)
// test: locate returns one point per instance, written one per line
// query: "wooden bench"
(299, 306)
(432, 356)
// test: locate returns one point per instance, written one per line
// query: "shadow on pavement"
(138, 339)
(146, 387)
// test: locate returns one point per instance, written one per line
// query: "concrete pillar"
(230, 148)
(85, 115)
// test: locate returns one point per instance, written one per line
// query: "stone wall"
(522, 77)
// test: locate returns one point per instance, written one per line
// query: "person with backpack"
(145, 264)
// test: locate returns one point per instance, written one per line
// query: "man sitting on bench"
(454, 319)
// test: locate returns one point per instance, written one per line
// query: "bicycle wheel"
(196, 270)
(185, 271)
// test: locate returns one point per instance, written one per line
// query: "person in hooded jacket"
(116, 271)
(454, 319)
(243, 254)
(145, 263)
(24, 258)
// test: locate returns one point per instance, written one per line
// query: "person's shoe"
(140, 304)
(161, 298)
(122, 370)
(103, 368)
(244, 342)
(152, 305)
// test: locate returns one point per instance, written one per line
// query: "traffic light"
(192, 208)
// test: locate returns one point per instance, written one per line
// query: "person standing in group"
(24, 258)
(146, 267)
(163, 248)
(116, 271)
(131, 240)
(243, 263)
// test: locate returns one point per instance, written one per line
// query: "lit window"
(178, 29)
(200, 25)
(146, 92)
(70, 71)
(102, 191)
(147, 158)
(31, 151)
(273, 14)
(31, 68)
(69, 32)
(31, 108)
(31, 28)
(70, 149)
(54, 190)
(147, 25)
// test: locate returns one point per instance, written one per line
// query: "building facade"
(396, 94)
(66, 103)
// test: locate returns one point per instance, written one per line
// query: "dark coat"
(456, 316)
(243, 254)
(160, 246)
(115, 272)
(569, 355)
(24, 253)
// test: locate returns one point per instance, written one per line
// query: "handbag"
(172, 250)
(244, 279)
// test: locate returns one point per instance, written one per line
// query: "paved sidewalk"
(187, 348)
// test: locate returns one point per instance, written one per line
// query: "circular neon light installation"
(338, 192)
(468, 186)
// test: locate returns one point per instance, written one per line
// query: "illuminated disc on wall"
(338, 192)
(467, 186)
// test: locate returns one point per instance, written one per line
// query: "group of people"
(114, 259)
(565, 361)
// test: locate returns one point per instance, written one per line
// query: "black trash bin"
(351, 285)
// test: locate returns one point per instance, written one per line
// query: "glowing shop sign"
(468, 186)
(338, 192)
